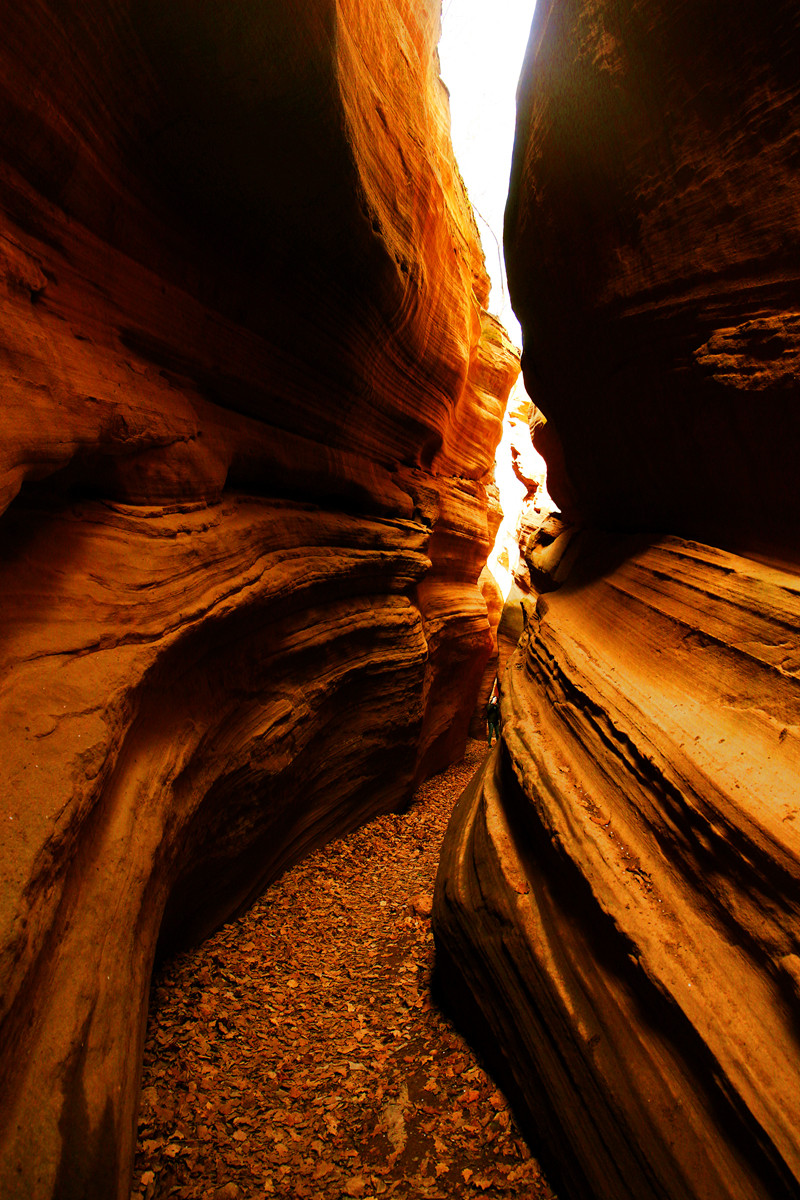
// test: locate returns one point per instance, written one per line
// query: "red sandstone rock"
(626, 873)
(249, 416)
(619, 890)
(654, 258)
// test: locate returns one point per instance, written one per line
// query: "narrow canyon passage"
(254, 372)
(299, 1052)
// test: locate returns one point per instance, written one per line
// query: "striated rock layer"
(626, 873)
(619, 889)
(250, 405)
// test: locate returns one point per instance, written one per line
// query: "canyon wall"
(619, 889)
(653, 235)
(250, 405)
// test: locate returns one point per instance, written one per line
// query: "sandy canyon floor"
(299, 1052)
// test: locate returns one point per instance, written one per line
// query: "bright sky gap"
(481, 52)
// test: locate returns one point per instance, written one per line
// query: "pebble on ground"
(298, 1052)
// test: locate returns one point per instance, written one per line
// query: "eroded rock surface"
(654, 257)
(619, 889)
(626, 872)
(250, 404)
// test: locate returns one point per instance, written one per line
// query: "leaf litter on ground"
(298, 1052)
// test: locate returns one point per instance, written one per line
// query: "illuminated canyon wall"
(621, 888)
(250, 405)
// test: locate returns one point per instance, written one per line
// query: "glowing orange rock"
(245, 443)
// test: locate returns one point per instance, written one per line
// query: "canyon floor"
(299, 1052)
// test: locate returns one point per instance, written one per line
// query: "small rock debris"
(298, 1052)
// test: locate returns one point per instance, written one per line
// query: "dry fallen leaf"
(301, 1054)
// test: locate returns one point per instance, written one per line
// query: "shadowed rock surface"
(654, 253)
(619, 889)
(250, 404)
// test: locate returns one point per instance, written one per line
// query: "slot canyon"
(251, 401)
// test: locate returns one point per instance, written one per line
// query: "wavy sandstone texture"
(250, 404)
(620, 888)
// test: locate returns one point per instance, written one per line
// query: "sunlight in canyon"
(521, 476)
(481, 55)
(247, 463)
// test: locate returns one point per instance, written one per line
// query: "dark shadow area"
(455, 1001)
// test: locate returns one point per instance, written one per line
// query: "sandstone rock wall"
(654, 255)
(619, 888)
(246, 434)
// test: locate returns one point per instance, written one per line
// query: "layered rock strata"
(619, 889)
(626, 872)
(249, 415)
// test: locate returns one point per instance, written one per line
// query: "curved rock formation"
(627, 874)
(653, 259)
(249, 414)
(619, 890)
